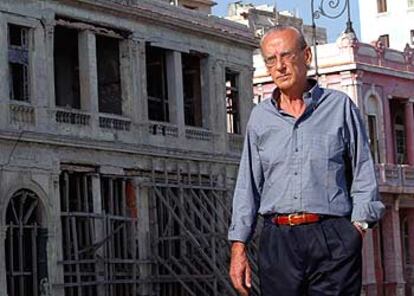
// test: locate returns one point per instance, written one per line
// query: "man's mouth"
(282, 77)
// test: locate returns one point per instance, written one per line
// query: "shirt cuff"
(370, 212)
(240, 233)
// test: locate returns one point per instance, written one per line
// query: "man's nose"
(280, 64)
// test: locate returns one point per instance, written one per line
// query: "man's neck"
(295, 94)
(291, 101)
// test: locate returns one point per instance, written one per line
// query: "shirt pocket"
(325, 158)
(331, 152)
(328, 147)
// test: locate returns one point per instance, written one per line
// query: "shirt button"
(295, 197)
(295, 173)
(296, 150)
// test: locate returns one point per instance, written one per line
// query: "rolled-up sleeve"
(364, 188)
(246, 197)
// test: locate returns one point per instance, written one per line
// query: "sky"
(303, 8)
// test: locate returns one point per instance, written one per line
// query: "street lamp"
(335, 11)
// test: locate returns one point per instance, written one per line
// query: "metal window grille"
(120, 250)
(191, 213)
(25, 246)
(98, 245)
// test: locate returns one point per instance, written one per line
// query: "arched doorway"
(26, 258)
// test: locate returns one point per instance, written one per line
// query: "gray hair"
(278, 28)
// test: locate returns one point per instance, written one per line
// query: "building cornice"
(206, 2)
(108, 146)
(367, 68)
(174, 17)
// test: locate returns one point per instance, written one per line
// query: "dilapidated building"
(120, 130)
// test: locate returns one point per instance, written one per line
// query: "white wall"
(396, 22)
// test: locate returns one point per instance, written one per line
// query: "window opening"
(109, 77)
(191, 64)
(18, 55)
(66, 61)
(232, 102)
(381, 6)
(26, 258)
(157, 88)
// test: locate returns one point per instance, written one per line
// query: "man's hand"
(240, 272)
(360, 230)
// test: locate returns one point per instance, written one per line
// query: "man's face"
(285, 60)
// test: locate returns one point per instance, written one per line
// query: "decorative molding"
(177, 17)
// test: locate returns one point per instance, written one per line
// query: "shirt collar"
(310, 96)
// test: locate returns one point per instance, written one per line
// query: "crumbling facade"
(261, 18)
(121, 125)
(381, 82)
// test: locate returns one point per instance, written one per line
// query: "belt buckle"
(290, 219)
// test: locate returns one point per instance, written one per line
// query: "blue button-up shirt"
(318, 163)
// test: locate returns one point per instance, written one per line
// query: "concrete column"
(219, 106)
(410, 280)
(4, 74)
(99, 227)
(393, 265)
(42, 81)
(389, 142)
(246, 96)
(409, 130)
(206, 75)
(88, 76)
(49, 59)
(54, 243)
(369, 272)
(175, 90)
(3, 279)
(138, 83)
(143, 234)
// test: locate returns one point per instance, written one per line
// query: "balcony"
(22, 113)
(395, 178)
(198, 134)
(114, 122)
(72, 117)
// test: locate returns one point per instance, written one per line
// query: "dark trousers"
(321, 258)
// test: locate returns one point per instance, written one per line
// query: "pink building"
(381, 82)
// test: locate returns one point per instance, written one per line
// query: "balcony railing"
(393, 177)
(114, 122)
(235, 142)
(22, 113)
(72, 117)
(198, 134)
(162, 129)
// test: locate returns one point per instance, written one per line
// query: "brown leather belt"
(296, 219)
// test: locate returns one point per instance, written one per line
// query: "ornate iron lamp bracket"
(331, 9)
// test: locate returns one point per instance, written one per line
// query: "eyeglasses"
(284, 57)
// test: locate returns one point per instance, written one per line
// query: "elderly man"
(306, 168)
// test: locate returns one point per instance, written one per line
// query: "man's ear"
(308, 56)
